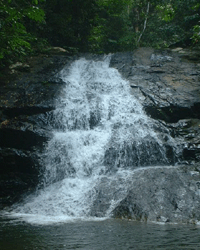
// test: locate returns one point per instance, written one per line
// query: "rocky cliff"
(27, 100)
(167, 85)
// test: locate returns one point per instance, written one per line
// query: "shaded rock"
(187, 133)
(163, 195)
(173, 113)
(166, 83)
(160, 194)
(20, 134)
(19, 174)
(145, 153)
(26, 106)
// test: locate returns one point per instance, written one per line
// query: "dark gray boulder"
(158, 194)
(163, 195)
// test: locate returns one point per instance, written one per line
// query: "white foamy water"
(104, 133)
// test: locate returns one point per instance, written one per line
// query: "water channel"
(98, 235)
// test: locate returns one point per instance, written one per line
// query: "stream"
(101, 235)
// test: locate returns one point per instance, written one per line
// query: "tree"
(99, 26)
(15, 40)
(68, 23)
(109, 26)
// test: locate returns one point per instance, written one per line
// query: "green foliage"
(196, 35)
(165, 12)
(170, 23)
(108, 27)
(99, 26)
(68, 23)
(15, 40)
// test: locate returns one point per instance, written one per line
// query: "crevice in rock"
(17, 111)
(172, 113)
(20, 173)
(27, 140)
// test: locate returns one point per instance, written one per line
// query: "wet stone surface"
(27, 101)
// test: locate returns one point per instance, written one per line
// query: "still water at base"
(97, 235)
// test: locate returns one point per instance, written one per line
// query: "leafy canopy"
(14, 16)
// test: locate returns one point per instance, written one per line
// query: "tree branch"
(145, 24)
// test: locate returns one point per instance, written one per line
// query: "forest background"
(29, 27)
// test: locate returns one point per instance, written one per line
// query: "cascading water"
(101, 132)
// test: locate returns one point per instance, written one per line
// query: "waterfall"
(101, 136)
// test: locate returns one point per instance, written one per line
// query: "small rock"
(177, 49)
(58, 50)
(20, 67)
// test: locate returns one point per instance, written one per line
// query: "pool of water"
(96, 235)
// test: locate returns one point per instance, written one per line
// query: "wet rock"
(187, 134)
(144, 153)
(159, 194)
(20, 172)
(163, 195)
(172, 114)
(26, 106)
(166, 83)
(20, 134)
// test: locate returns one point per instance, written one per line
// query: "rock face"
(26, 107)
(167, 85)
(170, 194)
(163, 195)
